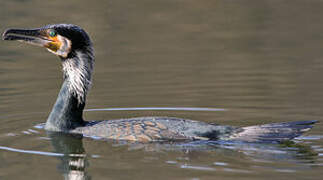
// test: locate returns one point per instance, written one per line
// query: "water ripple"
(158, 109)
(204, 168)
(31, 152)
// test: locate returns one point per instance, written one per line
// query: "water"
(258, 61)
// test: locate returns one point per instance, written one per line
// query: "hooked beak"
(31, 36)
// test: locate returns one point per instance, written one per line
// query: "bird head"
(63, 40)
(71, 43)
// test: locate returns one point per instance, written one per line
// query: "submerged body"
(74, 47)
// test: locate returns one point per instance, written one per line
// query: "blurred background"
(262, 61)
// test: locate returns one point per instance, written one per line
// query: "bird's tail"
(276, 132)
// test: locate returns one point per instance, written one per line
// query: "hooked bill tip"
(5, 34)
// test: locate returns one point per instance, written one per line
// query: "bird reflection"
(74, 161)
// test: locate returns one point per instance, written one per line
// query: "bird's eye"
(52, 33)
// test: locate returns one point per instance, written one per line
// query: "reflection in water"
(74, 162)
(218, 156)
(287, 150)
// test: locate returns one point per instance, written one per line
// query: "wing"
(144, 129)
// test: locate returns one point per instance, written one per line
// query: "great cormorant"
(74, 47)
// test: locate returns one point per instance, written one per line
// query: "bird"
(74, 47)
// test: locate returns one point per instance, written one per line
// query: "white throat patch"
(78, 71)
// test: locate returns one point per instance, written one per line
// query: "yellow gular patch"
(55, 44)
(59, 45)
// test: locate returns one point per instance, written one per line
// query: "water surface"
(260, 61)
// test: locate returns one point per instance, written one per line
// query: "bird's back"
(147, 129)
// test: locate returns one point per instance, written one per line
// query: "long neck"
(67, 112)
